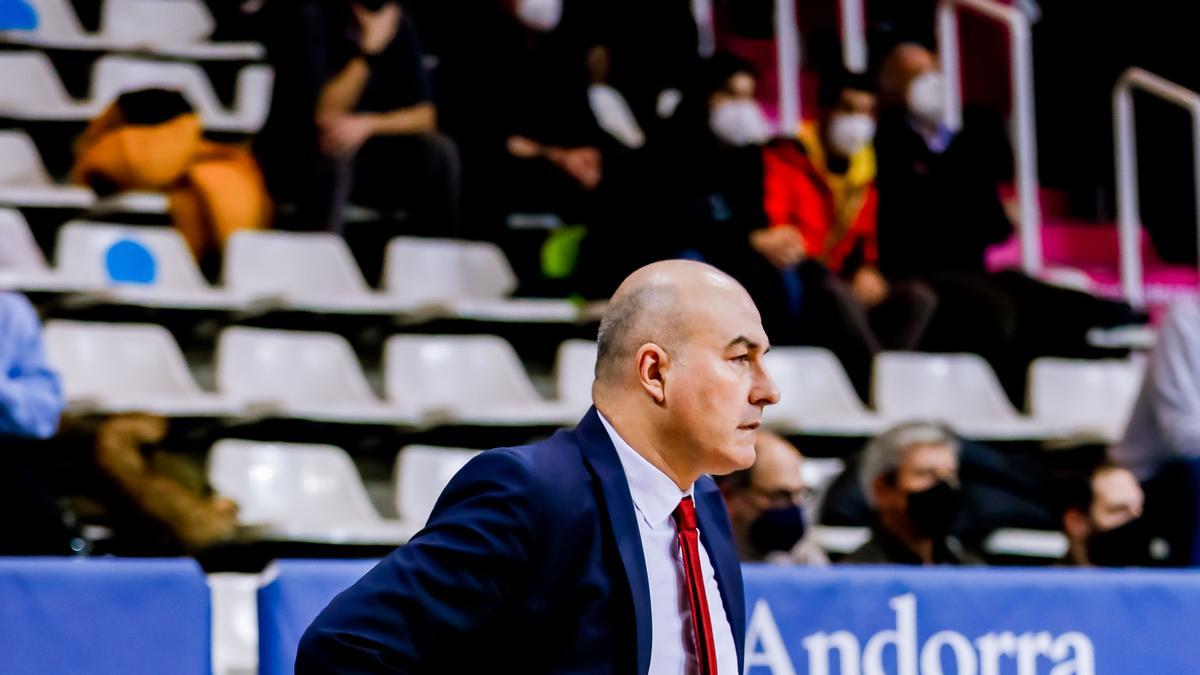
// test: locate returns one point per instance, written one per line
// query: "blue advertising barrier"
(60, 616)
(871, 621)
(889, 620)
(293, 593)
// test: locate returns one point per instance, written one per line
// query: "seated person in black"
(352, 119)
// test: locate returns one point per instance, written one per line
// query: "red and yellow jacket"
(835, 213)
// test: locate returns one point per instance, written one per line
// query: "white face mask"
(850, 132)
(540, 15)
(739, 123)
(927, 97)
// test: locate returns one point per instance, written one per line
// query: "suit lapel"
(600, 454)
(718, 541)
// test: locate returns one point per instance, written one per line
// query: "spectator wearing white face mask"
(820, 202)
(939, 211)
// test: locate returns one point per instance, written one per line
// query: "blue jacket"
(531, 563)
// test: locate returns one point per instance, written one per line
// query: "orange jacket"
(834, 213)
(214, 189)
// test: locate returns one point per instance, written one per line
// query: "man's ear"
(652, 363)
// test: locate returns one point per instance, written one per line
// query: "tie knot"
(685, 514)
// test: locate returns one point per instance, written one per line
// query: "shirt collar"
(655, 495)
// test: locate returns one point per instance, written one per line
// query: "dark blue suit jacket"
(531, 563)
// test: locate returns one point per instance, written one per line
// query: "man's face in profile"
(717, 385)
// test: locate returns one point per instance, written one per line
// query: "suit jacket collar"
(601, 456)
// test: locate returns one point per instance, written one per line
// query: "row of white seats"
(479, 380)
(313, 493)
(1068, 399)
(428, 380)
(30, 89)
(177, 28)
(268, 270)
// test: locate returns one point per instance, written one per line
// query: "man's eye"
(742, 357)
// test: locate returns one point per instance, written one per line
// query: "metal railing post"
(1125, 148)
(1023, 125)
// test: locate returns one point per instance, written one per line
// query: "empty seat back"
(575, 370)
(1090, 395)
(86, 249)
(18, 250)
(953, 388)
(812, 385)
(20, 161)
(30, 84)
(448, 372)
(154, 22)
(433, 270)
(291, 485)
(422, 472)
(257, 365)
(289, 262)
(96, 360)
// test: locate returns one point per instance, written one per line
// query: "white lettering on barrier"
(1071, 653)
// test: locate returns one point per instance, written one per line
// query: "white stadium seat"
(818, 474)
(1093, 398)
(31, 89)
(80, 260)
(421, 473)
(960, 390)
(118, 368)
(309, 271)
(299, 492)
(574, 372)
(470, 280)
(24, 180)
(301, 375)
(22, 265)
(466, 379)
(816, 396)
(115, 75)
(178, 28)
(234, 623)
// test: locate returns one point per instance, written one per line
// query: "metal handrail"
(1025, 127)
(1128, 203)
(787, 51)
(854, 36)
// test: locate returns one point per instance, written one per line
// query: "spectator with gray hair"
(909, 475)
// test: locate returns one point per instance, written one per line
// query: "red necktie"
(689, 545)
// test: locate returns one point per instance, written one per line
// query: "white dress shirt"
(655, 497)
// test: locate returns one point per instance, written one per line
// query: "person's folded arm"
(416, 119)
(450, 583)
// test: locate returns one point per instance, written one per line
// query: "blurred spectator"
(30, 404)
(821, 203)
(1165, 423)
(513, 85)
(939, 210)
(352, 118)
(910, 477)
(30, 398)
(1103, 522)
(767, 509)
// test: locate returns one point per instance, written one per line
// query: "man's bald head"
(902, 65)
(652, 306)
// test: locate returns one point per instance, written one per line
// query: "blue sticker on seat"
(17, 15)
(129, 262)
